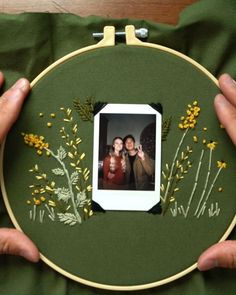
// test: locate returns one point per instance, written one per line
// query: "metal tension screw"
(139, 33)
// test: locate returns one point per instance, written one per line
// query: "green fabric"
(30, 42)
(121, 239)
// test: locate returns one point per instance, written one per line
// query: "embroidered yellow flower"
(36, 141)
(221, 164)
(37, 202)
(212, 145)
(42, 199)
(195, 139)
(89, 188)
(190, 120)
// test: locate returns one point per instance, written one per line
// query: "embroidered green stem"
(174, 211)
(41, 215)
(51, 213)
(202, 210)
(206, 182)
(212, 185)
(185, 212)
(34, 212)
(173, 165)
(78, 217)
(212, 212)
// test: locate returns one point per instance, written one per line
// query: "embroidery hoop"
(109, 40)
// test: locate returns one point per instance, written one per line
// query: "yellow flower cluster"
(212, 145)
(35, 141)
(221, 164)
(191, 119)
(37, 201)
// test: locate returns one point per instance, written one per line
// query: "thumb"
(10, 105)
(222, 254)
(15, 242)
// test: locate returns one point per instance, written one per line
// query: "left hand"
(140, 152)
(13, 241)
(223, 254)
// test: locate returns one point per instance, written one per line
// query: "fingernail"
(1, 76)
(21, 84)
(209, 264)
(221, 100)
(229, 81)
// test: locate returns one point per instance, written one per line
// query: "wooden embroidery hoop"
(109, 40)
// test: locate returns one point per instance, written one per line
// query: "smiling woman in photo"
(114, 166)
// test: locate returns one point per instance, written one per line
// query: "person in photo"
(114, 166)
(139, 166)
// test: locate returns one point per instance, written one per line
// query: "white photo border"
(127, 200)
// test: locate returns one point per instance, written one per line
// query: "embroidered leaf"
(166, 128)
(81, 199)
(63, 194)
(67, 218)
(58, 171)
(74, 177)
(61, 153)
(85, 109)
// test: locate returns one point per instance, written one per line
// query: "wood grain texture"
(162, 11)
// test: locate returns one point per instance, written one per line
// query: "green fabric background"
(114, 248)
(30, 42)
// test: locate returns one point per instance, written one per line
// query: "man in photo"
(139, 166)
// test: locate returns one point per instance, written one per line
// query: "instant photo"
(127, 157)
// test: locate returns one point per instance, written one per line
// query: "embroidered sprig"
(73, 197)
(220, 165)
(181, 168)
(166, 128)
(211, 146)
(42, 195)
(187, 122)
(85, 109)
(186, 211)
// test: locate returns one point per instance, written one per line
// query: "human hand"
(225, 105)
(140, 152)
(13, 241)
(223, 254)
(110, 175)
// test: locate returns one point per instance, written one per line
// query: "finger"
(219, 255)
(226, 113)
(228, 88)
(1, 79)
(15, 242)
(10, 105)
